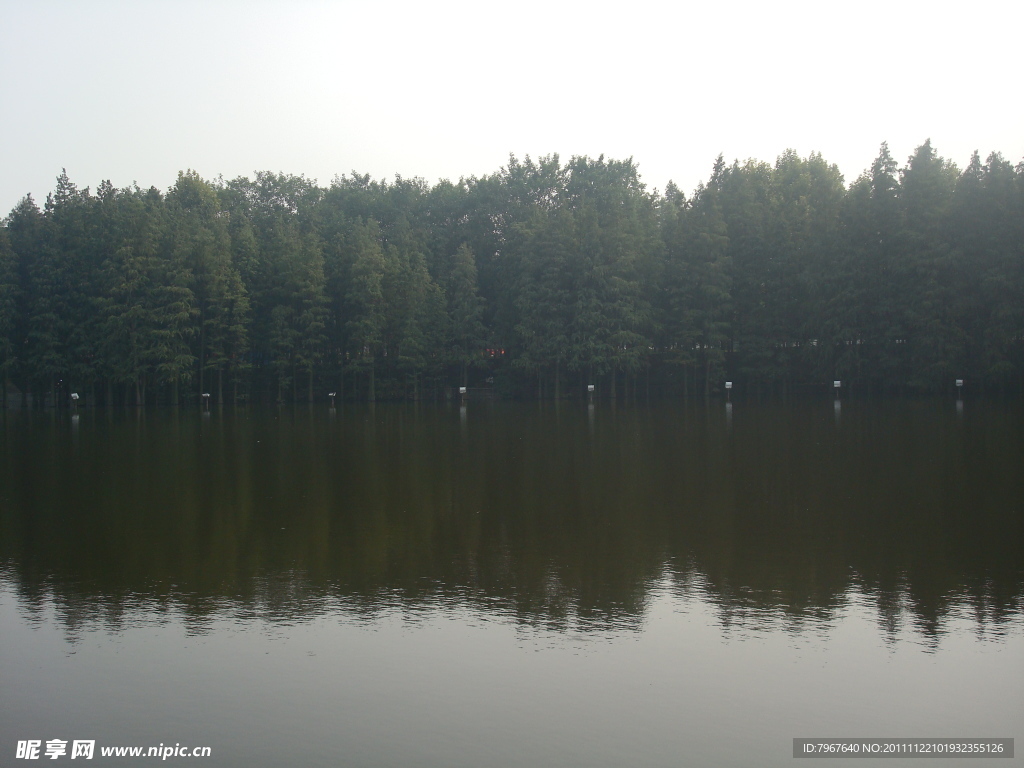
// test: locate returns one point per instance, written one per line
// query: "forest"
(535, 281)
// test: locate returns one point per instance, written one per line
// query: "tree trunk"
(220, 386)
(371, 394)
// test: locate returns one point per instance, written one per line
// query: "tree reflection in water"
(557, 518)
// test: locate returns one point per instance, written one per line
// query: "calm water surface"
(511, 585)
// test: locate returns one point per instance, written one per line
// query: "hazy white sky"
(138, 90)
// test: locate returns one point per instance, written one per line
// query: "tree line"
(534, 281)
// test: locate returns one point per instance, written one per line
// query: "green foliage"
(8, 305)
(132, 224)
(465, 311)
(542, 275)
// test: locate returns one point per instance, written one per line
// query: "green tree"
(36, 333)
(365, 302)
(676, 322)
(615, 239)
(203, 247)
(465, 311)
(8, 312)
(131, 223)
(868, 312)
(298, 304)
(542, 250)
(935, 336)
(697, 279)
(987, 232)
(75, 258)
(414, 329)
(710, 280)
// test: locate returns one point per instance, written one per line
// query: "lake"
(505, 584)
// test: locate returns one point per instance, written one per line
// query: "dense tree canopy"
(536, 280)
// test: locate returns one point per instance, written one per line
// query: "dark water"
(511, 585)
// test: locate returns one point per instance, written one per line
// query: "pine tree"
(542, 250)
(465, 311)
(414, 330)
(36, 337)
(131, 223)
(868, 313)
(8, 312)
(614, 239)
(709, 280)
(365, 302)
(935, 336)
(675, 321)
